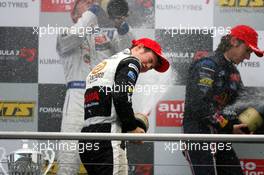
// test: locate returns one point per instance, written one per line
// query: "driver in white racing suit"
(79, 53)
(108, 104)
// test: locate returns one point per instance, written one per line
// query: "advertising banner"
(234, 12)
(50, 66)
(51, 98)
(17, 13)
(141, 158)
(184, 14)
(18, 55)
(170, 113)
(18, 107)
(252, 166)
(56, 5)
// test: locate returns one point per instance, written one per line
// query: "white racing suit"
(108, 108)
(79, 55)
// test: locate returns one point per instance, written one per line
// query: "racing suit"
(213, 83)
(108, 108)
(79, 55)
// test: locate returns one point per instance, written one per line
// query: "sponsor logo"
(132, 75)
(221, 120)
(183, 7)
(179, 54)
(53, 112)
(170, 113)
(180, 57)
(200, 54)
(50, 109)
(92, 96)
(235, 77)
(28, 54)
(10, 110)
(100, 39)
(99, 67)
(10, 4)
(95, 73)
(9, 52)
(252, 166)
(57, 5)
(250, 64)
(50, 61)
(206, 82)
(76, 84)
(241, 3)
(94, 77)
(133, 66)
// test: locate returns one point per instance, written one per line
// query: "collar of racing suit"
(222, 60)
(128, 51)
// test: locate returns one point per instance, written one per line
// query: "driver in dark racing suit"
(213, 83)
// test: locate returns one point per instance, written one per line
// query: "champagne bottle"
(142, 121)
(253, 117)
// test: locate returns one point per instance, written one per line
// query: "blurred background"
(31, 73)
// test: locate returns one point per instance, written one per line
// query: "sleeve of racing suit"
(201, 85)
(71, 39)
(125, 80)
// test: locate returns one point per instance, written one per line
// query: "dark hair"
(146, 48)
(225, 44)
(117, 8)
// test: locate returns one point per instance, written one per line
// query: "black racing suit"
(110, 157)
(213, 83)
